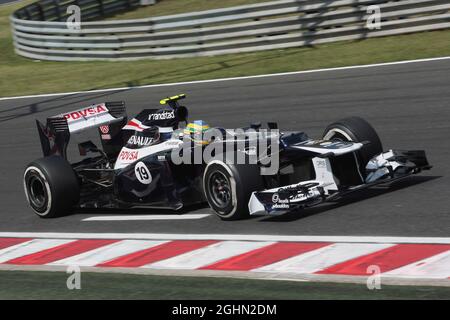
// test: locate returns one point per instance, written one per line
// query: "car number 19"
(142, 173)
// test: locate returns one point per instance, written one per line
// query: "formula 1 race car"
(135, 167)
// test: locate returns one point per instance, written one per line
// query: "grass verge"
(21, 76)
(169, 7)
(52, 285)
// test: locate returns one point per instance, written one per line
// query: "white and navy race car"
(134, 167)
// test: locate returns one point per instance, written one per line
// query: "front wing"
(382, 169)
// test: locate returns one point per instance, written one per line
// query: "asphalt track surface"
(408, 104)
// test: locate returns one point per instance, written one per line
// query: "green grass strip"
(21, 76)
(52, 285)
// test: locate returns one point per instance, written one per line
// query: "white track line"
(104, 254)
(435, 267)
(148, 217)
(29, 247)
(225, 237)
(233, 78)
(322, 258)
(207, 255)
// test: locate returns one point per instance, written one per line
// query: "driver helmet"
(195, 131)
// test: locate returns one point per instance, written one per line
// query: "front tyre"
(228, 188)
(356, 129)
(51, 187)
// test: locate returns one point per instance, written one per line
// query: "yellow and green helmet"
(195, 130)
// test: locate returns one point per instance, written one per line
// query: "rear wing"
(108, 117)
(173, 101)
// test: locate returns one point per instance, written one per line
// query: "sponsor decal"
(128, 155)
(85, 113)
(140, 141)
(307, 143)
(341, 144)
(300, 196)
(106, 137)
(280, 206)
(321, 163)
(142, 173)
(275, 198)
(104, 129)
(279, 203)
(162, 116)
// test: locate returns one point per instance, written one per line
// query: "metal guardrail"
(56, 10)
(40, 31)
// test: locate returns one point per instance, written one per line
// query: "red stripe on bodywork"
(60, 252)
(264, 256)
(387, 259)
(160, 252)
(9, 242)
(134, 124)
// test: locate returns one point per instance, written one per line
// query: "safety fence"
(56, 10)
(40, 30)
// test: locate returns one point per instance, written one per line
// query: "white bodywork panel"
(324, 180)
(128, 156)
(324, 174)
(93, 116)
(381, 165)
(336, 151)
(282, 206)
(378, 169)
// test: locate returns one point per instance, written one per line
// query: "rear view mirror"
(182, 113)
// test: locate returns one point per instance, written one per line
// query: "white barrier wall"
(40, 30)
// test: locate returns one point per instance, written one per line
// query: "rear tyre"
(51, 187)
(356, 129)
(228, 188)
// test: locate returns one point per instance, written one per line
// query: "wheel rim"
(37, 192)
(220, 190)
(337, 135)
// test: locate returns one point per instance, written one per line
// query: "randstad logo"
(162, 116)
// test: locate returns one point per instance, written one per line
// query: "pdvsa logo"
(128, 155)
(84, 113)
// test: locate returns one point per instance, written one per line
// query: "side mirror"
(255, 125)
